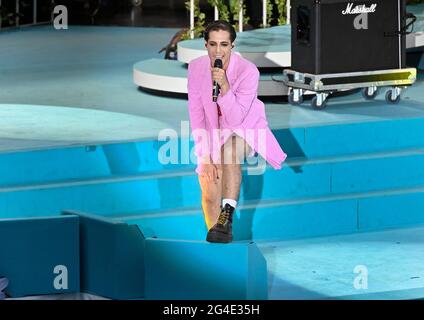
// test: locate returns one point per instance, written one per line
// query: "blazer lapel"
(232, 67)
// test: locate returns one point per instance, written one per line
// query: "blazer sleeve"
(235, 105)
(197, 115)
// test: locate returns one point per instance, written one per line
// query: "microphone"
(215, 90)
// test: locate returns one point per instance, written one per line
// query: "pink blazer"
(242, 112)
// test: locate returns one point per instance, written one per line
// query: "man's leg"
(235, 150)
(211, 198)
(233, 153)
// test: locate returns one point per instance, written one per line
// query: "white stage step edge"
(415, 40)
(178, 83)
(260, 59)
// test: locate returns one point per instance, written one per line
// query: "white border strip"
(414, 40)
(260, 59)
(179, 85)
(159, 82)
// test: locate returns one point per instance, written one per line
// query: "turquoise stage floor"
(326, 267)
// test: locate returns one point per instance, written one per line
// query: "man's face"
(219, 46)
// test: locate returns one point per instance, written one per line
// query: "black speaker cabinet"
(334, 36)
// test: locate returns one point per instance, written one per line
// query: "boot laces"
(223, 217)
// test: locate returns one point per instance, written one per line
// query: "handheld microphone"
(215, 90)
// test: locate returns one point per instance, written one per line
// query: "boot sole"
(218, 238)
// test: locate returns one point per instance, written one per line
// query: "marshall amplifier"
(334, 36)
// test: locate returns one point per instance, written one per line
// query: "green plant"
(199, 21)
(224, 14)
(269, 13)
(6, 16)
(282, 12)
(235, 7)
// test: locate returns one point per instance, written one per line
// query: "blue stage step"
(119, 261)
(292, 219)
(363, 265)
(40, 255)
(123, 195)
(197, 270)
(112, 257)
(110, 160)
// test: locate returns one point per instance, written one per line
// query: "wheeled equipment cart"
(325, 84)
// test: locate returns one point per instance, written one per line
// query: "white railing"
(192, 19)
(288, 11)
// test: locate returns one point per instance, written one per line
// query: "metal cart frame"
(325, 84)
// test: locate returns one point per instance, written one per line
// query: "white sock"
(231, 202)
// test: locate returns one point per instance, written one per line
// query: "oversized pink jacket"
(242, 112)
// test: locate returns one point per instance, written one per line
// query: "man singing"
(228, 130)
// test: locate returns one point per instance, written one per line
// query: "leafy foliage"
(229, 11)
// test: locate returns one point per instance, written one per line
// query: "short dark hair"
(220, 25)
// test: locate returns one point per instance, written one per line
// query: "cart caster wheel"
(369, 93)
(295, 103)
(318, 106)
(390, 94)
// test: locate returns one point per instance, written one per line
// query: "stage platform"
(157, 74)
(268, 48)
(77, 134)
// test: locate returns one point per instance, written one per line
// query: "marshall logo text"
(359, 9)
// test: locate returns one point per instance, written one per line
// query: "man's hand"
(220, 77)
(208, 170)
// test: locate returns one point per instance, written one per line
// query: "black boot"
(222, 231)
